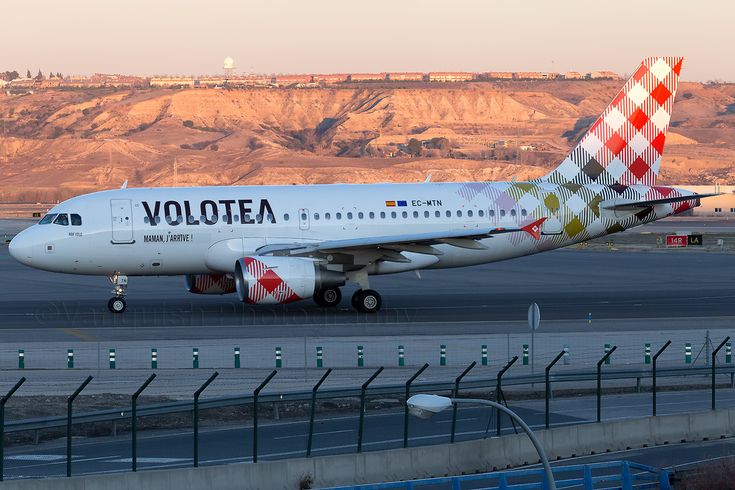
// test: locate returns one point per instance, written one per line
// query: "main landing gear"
(117, 303)
(364, 300)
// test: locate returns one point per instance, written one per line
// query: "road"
(223, 443)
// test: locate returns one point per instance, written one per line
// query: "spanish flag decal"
(390, 204)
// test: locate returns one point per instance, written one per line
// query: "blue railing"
(617, 474)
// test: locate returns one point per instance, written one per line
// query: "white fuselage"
(200, 230)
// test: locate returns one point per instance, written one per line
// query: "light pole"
(425, 406)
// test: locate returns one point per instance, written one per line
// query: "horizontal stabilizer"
(636, 205)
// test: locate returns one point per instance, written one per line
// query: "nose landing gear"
(117, 303)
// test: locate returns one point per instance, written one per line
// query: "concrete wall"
(419, 462)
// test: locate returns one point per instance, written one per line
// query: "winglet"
(534, 229)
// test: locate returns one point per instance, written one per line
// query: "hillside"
(60, 143)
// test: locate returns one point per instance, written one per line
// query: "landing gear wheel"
(117, 305)
(367, 301)
(328, 297)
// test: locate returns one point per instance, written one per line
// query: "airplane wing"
(409, 242)
(637, 205)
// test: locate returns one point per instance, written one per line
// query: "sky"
(186, 37)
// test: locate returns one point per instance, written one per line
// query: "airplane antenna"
(125, 184)
(428, 178)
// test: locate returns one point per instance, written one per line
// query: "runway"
(692, 289)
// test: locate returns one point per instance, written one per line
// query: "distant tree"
(414, 147)
(28, 74)
(39, 76)
(9, 76)
(50, 75)
(58, 74)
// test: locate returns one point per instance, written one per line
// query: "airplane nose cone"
(21, 249)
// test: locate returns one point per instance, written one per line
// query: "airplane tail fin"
(625, 144)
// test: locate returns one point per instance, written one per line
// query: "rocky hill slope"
(61, 143)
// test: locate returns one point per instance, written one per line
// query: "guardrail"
(132, 412)
(626, 475)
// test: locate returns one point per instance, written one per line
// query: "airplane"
(278, 244)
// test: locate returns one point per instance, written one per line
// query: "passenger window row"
(405, 214)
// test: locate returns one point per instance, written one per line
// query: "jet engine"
(210, 284)
(274, 280)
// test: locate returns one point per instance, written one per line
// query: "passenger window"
(338, 215)
(303, 217)
(145, 220)
(286, 217)
(437, 214)
(259, 218)
(459, 214)
(502, 212)
(469, 213)
(512, 212)
(382, 215)
(349, 215)
(360, 215)
(49, 218)
(393, 214)
(372, 215)
(316, 216)
(480, 213)
(449, 214)
(76, 220)
(524, 212)
(404, 214)
(236, 217)
(492, 213)
(245, 218)
(62, 220)
(415, 214)
(426, 214)
(327, 216)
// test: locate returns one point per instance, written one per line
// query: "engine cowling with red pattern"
(277, 280)
(210, 284)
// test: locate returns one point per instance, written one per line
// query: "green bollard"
(195, 358)
(401, 358)
(483, 352)
(525, 354)
(688, 353)
(319, 357)
(360, 357)
(154, 358)
(442, 355)
(21, 359)
(647, 358)
(279, 362)
(728, 353)
(237, 358)
(70, 358)
(112, 358)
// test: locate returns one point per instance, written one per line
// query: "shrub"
(188, 123)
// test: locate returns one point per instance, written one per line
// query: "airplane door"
(303, 219)
(122, 220)
(554, 216)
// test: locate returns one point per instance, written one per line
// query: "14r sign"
(676, 241)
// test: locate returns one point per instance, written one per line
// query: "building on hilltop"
(451, 76)
(406, 77)
(367, 77)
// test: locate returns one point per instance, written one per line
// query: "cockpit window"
(47, 219)
(62, 220)
(76, 220)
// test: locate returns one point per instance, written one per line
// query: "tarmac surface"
(338, 434)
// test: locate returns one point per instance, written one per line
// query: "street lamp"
(425, 406)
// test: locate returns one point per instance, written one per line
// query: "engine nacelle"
(274, 280)
(210, 284)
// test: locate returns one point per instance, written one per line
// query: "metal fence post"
(405, 408)
(313, 411)
(363, 389)
(69, 402)
(688, 353)
(255, 413)
(603, 360)
(196, 416)
(498, 385)
(134, 420)
(3, 401)
(655, 360)
(456, 394)
(548, 386)
(714, 359)
(279, 360)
